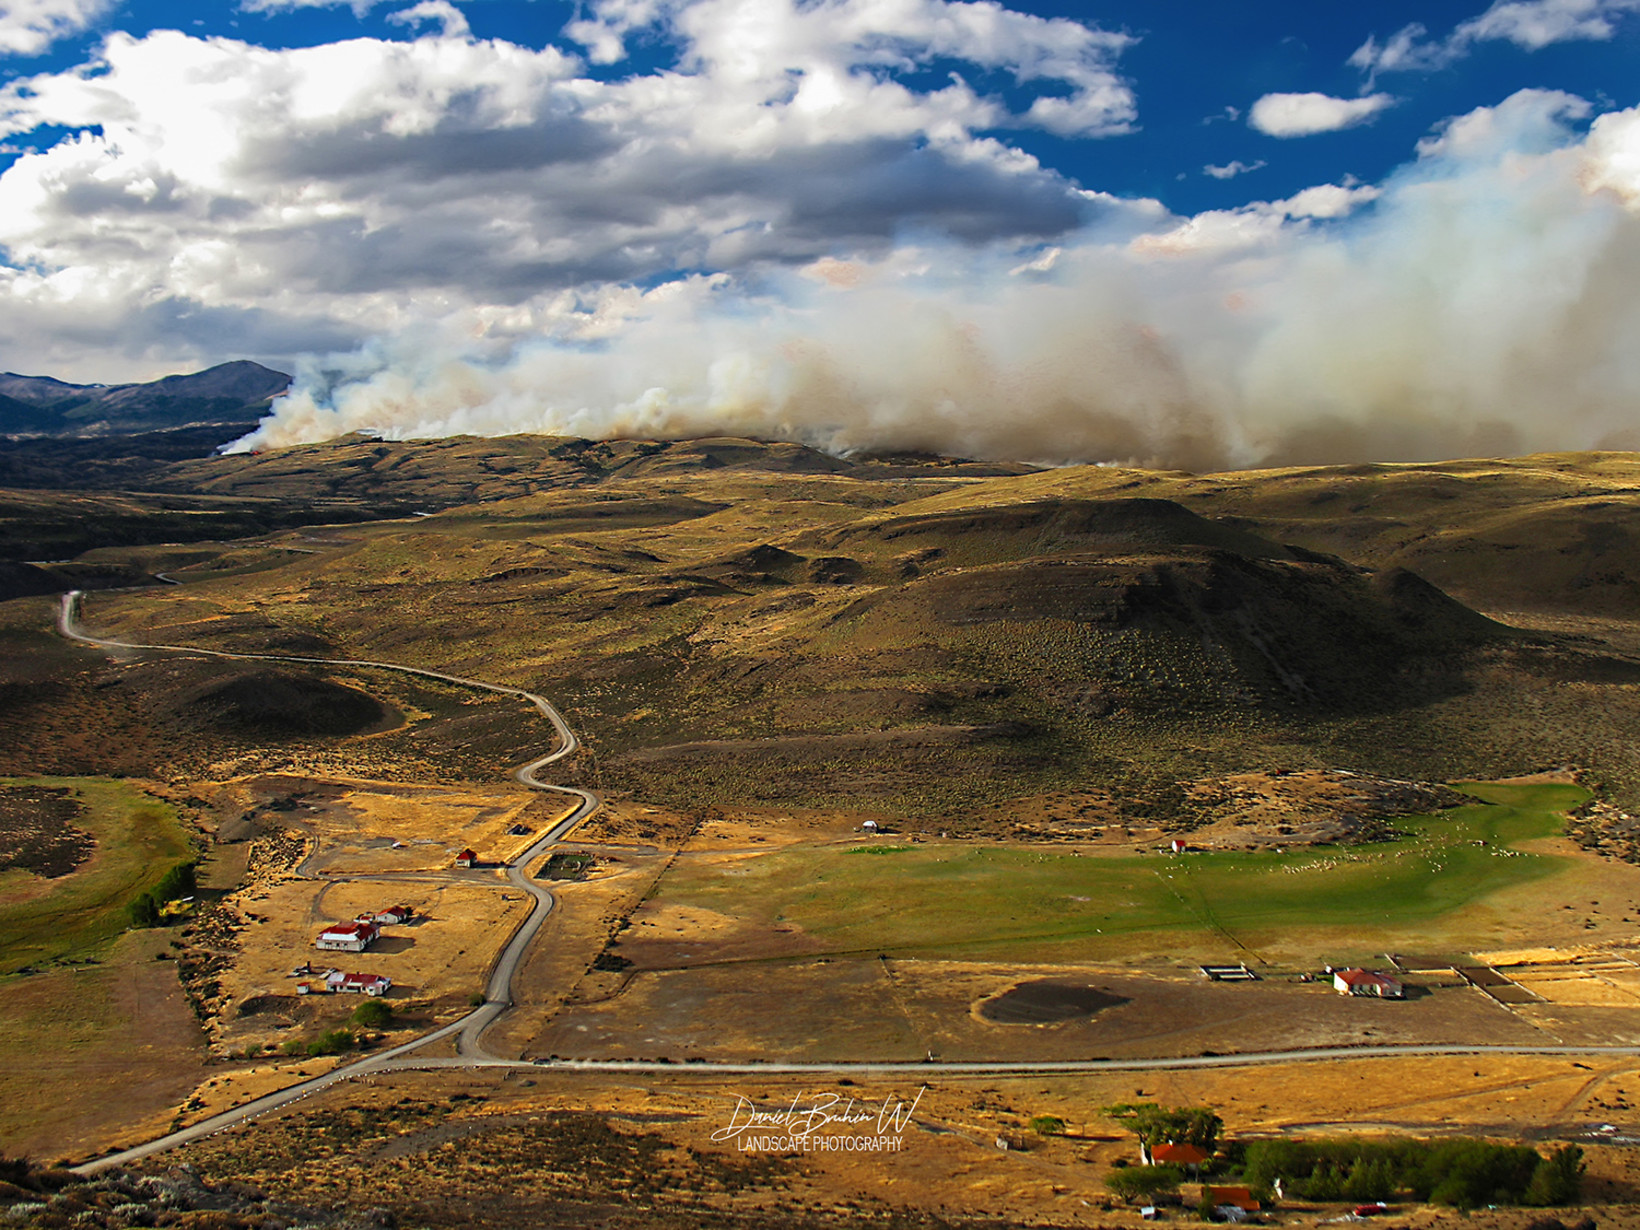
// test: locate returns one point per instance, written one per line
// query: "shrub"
(177, 882)
(1048, 1125)
(1558, 1178)
(332, 1042)
(1144, 1180)
(373, 1014)
(145, 911)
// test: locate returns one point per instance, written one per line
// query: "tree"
(1558, 1178)
(373, 1014)
(1170, 1125)
(144, 911)
(1134, 1181)
(179, 881)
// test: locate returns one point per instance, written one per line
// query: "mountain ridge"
(227, 393)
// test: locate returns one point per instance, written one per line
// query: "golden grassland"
(759, 660)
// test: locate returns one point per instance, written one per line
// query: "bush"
(373, 1014)
(177, 882)
(1144, 1180)
(332, 1042)
(1558, 1178)
(476, 999)
(1048, 1125)
(145, 911)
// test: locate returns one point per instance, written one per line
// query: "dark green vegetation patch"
(37, 831)
(285, 702)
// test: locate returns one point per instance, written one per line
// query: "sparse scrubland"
(1029, 681)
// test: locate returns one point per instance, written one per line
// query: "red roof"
(467, 854)
(1365, 978)
(363, 930)
(1241, 1197)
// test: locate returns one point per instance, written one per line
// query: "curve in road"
(467, 1030)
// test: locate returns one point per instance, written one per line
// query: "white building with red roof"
(353, 936)
(1366, 982)
(357, 984)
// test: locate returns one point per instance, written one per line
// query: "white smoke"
(1485, 300)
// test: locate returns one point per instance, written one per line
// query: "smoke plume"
(1481, 301)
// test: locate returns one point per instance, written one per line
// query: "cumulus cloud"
(1233, 168)
(1483, 305)
(355, 186)
(451, 19)
(1529, 24)
(834, 46)
(29, 27)
(1304, 115)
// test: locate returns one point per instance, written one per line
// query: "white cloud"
(1256, 224)
(1233, 168)
(29, 27)
(368, 183)
(1303, 115)
(451, 19)
(840, 47)
(1529, 24)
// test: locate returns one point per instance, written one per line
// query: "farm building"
(1365, 982)
(1178, 1155)
(348, 937)
(393, 914)
(466, 858)
(357, 984)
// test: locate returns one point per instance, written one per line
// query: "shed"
(466, 858)
(394, 914)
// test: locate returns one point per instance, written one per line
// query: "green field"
(138, 839)
(1019, 902)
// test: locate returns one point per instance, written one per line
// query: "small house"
(870, 826)
(466, 858)
(348, 937)
(393, 915)
(1177, 1155)
(1366, 982)
(357, 984)
(1178, 846)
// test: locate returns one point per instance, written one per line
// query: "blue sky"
(1192, 65)
(350, 188)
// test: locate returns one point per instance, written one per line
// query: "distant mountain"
(228, 393)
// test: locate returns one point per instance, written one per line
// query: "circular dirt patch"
(1046, 1001)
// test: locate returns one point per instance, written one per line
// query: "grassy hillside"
(729, 622)
(133, 840)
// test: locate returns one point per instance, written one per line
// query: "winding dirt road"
(469, 1029)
